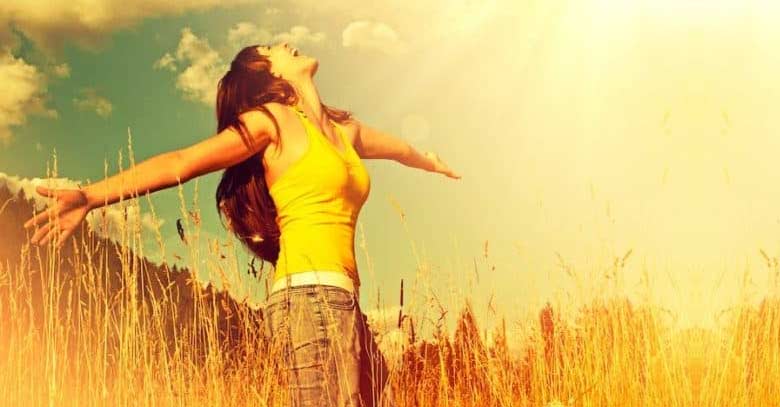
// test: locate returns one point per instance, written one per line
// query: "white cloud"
(90, 100)
(246, 33)
(167, 61)
(217, 254)
(390, 339)
(24, 91)
(300, 35)
(16, 184)
(62, 70)
(113, 214)
(371, 35)
(199, 80)
(421, 23)
(88, 22)
(392, 344)
(204, 67)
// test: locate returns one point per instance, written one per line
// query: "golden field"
(94, 324)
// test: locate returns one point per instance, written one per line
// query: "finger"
(37, 218)
(448, 172)
(64, 236)
(44, 191)
(49, 235)
(40, 233)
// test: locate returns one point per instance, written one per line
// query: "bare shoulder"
(279, 110)
(258, 119)
(351, 128)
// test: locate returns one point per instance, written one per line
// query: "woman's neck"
(309, 100)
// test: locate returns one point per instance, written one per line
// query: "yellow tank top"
(318, 199)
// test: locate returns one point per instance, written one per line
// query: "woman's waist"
(290, 263)
(312, 278)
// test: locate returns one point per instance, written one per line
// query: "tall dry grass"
(94, 324)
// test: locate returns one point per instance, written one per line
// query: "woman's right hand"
(71, 207)
(439, 165)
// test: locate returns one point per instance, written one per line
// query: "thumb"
(44, 191)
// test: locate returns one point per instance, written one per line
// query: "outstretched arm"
(165, 170)
(222, 150)
(373, 143)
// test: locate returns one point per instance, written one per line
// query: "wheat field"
(94, 324)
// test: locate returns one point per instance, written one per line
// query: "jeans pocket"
(338, 298)
(274, 306)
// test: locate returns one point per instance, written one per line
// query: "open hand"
(439, 166)
(62, 217)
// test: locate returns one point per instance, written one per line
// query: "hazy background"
(582, 128)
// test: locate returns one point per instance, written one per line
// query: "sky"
(585, 131)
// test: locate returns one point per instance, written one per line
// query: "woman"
(291, 192)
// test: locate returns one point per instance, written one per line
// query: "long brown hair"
(242, 194)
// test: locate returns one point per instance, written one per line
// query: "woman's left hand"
(69, 209)
(439, 166)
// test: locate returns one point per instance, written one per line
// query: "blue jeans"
(327, 351)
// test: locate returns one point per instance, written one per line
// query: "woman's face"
(287, 62)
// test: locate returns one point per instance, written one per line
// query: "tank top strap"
(342, 136)
(346, 154)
